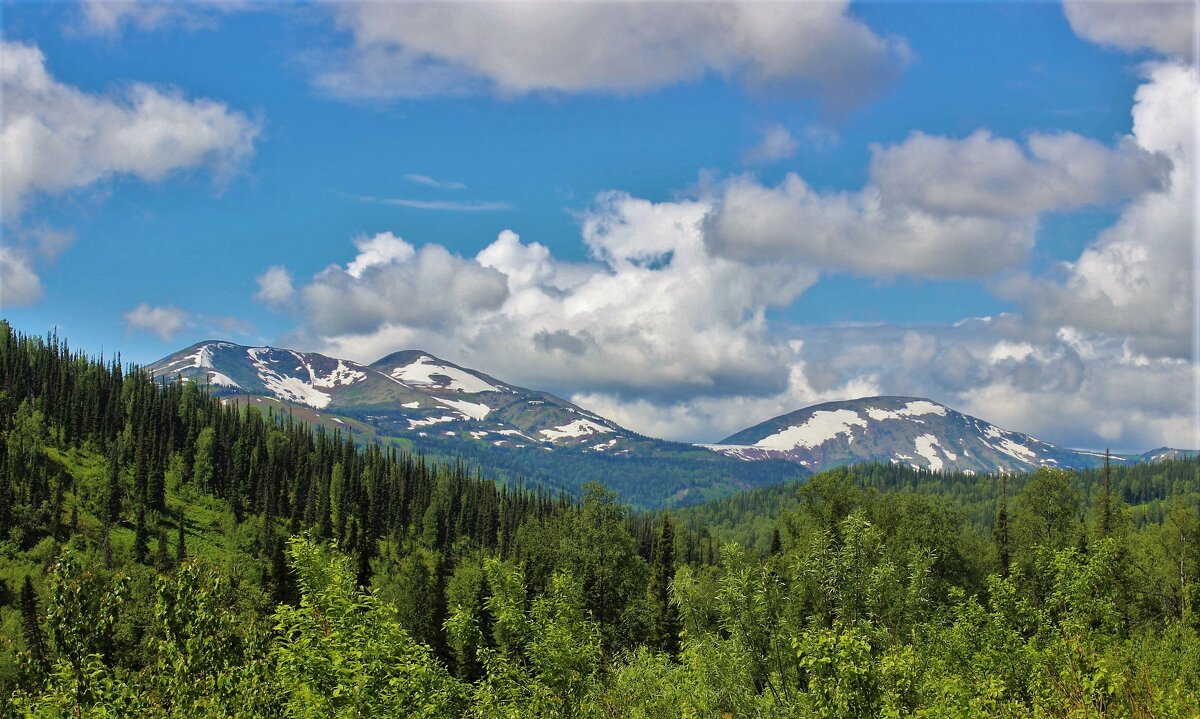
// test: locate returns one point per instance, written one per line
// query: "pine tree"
(1107, 513)
(181, 543)
(1000, 533)
(162, 558)
(35, 641)
(662, 572)
(140, 540)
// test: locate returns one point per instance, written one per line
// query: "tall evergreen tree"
(1000, 533)
(1107, 512)
(181, 541)
(35, 640)
(662, 572)
(140, 540)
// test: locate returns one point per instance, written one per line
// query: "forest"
(164, 553)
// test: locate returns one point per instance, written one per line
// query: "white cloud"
(1167, 27)
(379, 250)
(933, 207)
(434, 183)
(22, 252)
(56, 138)
(1137, 278)
(109, 17)
(391, 283)
(19, 282)
(275, 287)
(777, 143)
(653, 314)
(447, 205)
(986, 176)
(164, 321)
(419, 49)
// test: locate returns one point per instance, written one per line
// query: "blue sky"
(307, 128)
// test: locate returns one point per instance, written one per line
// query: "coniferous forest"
(166, 553)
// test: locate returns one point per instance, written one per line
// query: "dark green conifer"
(662, 573)
(35, 640)
(140, 546)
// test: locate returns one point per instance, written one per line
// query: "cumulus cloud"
(1166, 27)
(57, 138)
(986, 176)
(420, 49)
(163, 321)
(275, 286)
(933, 206)
(392, 283)
(651, 314)
(777, 143)
(1137, 279)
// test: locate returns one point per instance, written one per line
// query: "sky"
(687, 217)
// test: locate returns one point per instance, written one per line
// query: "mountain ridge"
(916, 431)
(413, 396)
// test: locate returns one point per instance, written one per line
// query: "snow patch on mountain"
(927, 446)
(216, 377)
(821, 427)
(292, 389)
(915, 408)
(575, 428)
(1017, 451)
(414, 423)
(426, 371)
(202, 358)
(474, 410)
(341, 375)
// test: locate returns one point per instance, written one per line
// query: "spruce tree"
(662, 573)
(162, 557)
(140, 547)
(1000, 533)
(1107, 513)
(35, 641)
(181, 543)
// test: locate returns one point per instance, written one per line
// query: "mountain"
(419, 401)
(451, 411)
(908, 430)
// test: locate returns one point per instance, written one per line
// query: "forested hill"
(1148, 490)
(165, 555)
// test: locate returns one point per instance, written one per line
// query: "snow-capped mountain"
(409, 392)
(911, 431)
(448, 411)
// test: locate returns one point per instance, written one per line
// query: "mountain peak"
(914, 431)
